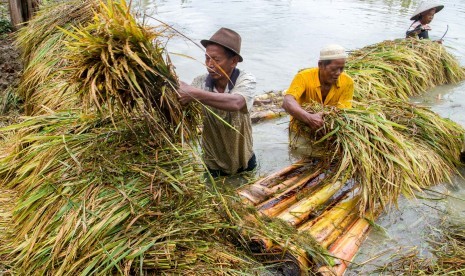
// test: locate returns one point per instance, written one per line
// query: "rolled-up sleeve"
(297, 88)
(246, 86)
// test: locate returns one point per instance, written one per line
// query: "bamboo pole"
(299, 212)
(266, 187)
(321, 227)
(347, 246)
(275, 177)
(340, 229)
(277, 204)
(291, 259)
(333, 200)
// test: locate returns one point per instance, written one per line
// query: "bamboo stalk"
(333, 200)
(266, 187)
(327, 222)
(297, 213)
(260, 244)
(340, 229)
(276, 177)
(304, 185)
(347, 246)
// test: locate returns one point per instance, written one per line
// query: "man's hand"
(185, 93)
(314, 121)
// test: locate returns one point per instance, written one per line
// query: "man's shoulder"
(243, 75)
(202, 77)
(306, 71)
(199, 81)
(346, 78)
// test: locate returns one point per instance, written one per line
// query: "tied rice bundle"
(423, 126)
(102, 60)
(44, 84)
(95, 198)
(104, 181)
(119, 65)
(376, 152)
(400, 69)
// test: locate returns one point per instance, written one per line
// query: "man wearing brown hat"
(227, 96)
(326, 84)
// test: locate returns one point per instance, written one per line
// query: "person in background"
(326, 84)
(226, 94)
(422, 17)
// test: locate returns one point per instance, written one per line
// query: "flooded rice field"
(279, 37)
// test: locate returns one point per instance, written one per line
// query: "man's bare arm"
(314, 121)
(223, 101)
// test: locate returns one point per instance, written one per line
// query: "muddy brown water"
(282, 36)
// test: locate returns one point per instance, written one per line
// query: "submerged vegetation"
(447, 246)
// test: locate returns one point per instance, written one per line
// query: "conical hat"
(424, 6)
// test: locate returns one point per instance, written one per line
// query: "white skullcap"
(332, 51)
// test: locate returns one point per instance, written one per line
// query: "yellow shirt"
(306, 87)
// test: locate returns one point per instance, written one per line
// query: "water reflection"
(281, 37)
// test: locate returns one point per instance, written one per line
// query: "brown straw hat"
(226, 38)
(426, 6)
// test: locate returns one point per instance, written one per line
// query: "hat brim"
(418, 12)
(205, 43)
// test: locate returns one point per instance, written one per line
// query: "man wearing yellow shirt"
(326, 84)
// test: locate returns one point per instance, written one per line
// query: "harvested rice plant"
(104, 180)
(400, 69)
(387, 144)
(383, 156)
(101, 174)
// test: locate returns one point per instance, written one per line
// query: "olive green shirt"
(228, 147)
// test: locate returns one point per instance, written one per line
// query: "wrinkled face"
(330, 73)
(427, 16)
(219, 65)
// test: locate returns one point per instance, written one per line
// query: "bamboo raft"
(301, 196)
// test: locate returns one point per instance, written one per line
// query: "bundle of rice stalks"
(104, 61)
(423, 126)
(401, 68)
(95, 198)
(119, 65)
(377, 154)
(8, 198)
(44, 82)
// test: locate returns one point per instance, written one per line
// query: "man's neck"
(220, 85)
